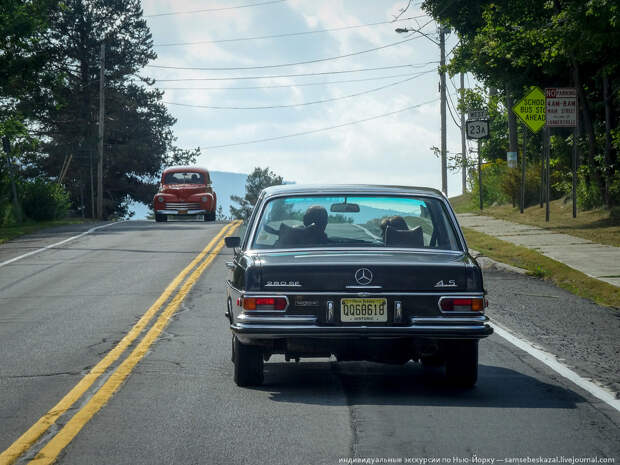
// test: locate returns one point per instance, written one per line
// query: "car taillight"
(462, 304)
(264, 303)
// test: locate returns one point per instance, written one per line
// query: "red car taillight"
(462, 304)
(264, 303)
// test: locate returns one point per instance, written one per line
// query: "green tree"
(511, 45)
(258, 180)
(63, 111)
(219, 214)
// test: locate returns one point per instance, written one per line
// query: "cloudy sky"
(305, 87)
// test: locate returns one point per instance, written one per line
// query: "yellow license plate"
(363, 310)
(182, 212)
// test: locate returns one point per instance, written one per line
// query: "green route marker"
(531, 109)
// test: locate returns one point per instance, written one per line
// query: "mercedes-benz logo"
(363, 276)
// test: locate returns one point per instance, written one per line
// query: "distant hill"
(224, 183)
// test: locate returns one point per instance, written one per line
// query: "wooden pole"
(523, 161)
(463, 144)
(547, 136)
(480, 174)
(101, 123)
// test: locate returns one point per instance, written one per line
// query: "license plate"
(363, 310)
(182, 212)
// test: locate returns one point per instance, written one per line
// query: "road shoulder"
(581, 334)
(43, 238)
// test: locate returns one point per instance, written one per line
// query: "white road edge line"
(551, 361)
(7, 262)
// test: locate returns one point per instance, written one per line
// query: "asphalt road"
(62, 310)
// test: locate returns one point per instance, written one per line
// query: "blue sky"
(388, 150)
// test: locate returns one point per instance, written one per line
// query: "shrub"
(589, 195)
(43, 200)
(501, 184)
(492, 181)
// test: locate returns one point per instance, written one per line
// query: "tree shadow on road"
(366, 383)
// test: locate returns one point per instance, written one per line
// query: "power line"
(450, 105)
(268, 107)
(304, 84)
(314, 131)
(291, 34)
(322, 73)
(211, 10)
(393, 44)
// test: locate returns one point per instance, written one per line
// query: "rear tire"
(462, 363)
(160, 218)
(249, 364)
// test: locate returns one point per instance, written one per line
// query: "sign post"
(477, 127)
(561, 112)
(531, 110)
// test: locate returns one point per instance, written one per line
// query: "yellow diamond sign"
(531, 109)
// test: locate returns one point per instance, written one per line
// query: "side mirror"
(232, 241)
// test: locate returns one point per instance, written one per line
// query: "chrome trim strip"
(344, 293)
(175, 212)
(183, 205)
(287, 320)
(444, 320)
(370, 329)
(398, 311)
(364, 287)
(330, 311)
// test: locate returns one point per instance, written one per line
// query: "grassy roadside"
(11, 232)
(595, 225)
(543, 267)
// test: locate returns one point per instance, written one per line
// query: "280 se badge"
(357, 272)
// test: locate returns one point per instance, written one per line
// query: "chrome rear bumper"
(281, 327)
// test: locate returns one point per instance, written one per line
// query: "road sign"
(531, 109)
(477, 129)
(477, 115)
(561, 107)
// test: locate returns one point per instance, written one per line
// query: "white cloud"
(390, 150)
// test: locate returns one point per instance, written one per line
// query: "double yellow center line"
(64, 436)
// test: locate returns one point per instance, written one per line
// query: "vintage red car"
(185, 191)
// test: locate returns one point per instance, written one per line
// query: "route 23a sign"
(477, 129)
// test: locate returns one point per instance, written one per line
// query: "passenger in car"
(311, 233)
(412, 238)
(394, 222)
(396, 233)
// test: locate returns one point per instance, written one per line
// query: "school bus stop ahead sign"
(531, 109)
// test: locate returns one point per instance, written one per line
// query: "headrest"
(412, 238)
(317, 215)
(289, 236)
(395, 222)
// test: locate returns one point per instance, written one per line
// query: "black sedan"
(378, 273)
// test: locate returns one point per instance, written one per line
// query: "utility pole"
(6, 144)
(513, 142)
(463, 145)
(101, 119)
(442, 73)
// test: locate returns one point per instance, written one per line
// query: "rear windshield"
(184, 177)
(364, 221)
